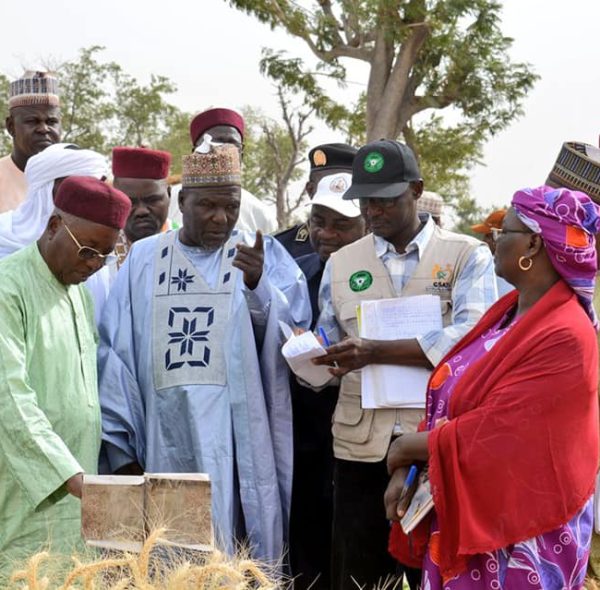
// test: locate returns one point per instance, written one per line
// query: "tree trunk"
(385, 113)
(282, 216)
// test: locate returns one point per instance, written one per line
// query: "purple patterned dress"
(556, 560)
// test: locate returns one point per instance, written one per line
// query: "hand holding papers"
(298, 352)
(397, 386)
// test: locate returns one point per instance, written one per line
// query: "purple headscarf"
(567, 221)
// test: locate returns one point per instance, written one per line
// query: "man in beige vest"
(406, 255)
(33, 123)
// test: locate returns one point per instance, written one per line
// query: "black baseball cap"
(382, 169)
(329, 156)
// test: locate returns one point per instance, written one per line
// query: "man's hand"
(393, 492)
(350, 354)
(250, 261)
(75, 485)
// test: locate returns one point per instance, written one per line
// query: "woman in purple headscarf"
(511, 431)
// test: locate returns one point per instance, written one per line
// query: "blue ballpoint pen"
(326, 342)
(408, 482)
(323, 335)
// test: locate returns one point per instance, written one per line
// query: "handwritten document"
(396, 386)
(298, 352)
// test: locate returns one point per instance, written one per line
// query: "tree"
(5, 139)
(141, 112)
(86, 98)
(176, 138)
(422, 56)
(273, 154)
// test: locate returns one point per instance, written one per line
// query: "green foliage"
(176, 138)
(87, 104)
(261, 167)
(274, 152)
(103, 106)
(141, 112)
(5, 140)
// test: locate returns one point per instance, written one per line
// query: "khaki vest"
(364, 435)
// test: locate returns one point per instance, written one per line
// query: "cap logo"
(360, 281)
(374, 162)
(338, 185)
(319, 158)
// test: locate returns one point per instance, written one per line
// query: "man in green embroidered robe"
(49, 412)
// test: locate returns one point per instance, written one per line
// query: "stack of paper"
(396, 386)
(298, 352)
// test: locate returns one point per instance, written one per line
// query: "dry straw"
(152, 569)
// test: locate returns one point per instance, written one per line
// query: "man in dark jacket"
(332, 224)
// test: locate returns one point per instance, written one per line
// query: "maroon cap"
(89, 198)
(128, 162)
(213, 117)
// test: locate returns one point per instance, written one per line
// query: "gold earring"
(522, 266)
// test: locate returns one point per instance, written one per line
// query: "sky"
(211, 52)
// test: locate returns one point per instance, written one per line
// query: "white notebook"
(397, 386)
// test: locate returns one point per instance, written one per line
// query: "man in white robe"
(191, 374)
(44, 172)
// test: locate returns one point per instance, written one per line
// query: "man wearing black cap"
(325, 160)
(406, 255)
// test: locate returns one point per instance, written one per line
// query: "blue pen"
(410, 478)
(404, 499)
(326, 342)
(323, 335)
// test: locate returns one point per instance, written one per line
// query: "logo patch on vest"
(442, 279)
(360, 281)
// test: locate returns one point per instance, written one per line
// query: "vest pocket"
(347, 318)
(350, 422)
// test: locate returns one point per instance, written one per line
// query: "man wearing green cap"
(405, 255)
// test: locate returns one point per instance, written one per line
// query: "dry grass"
(155, 568)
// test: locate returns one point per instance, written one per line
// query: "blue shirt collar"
(418, 243)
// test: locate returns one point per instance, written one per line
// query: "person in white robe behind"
(44, 172)
(190, 369)
(224, 125)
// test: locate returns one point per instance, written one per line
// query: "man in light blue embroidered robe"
(191, 374)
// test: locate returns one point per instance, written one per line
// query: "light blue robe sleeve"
(123, 411)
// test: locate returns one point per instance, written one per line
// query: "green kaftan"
(49, 412)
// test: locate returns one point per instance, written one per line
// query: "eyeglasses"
(89, 253)
(366, 202)
(497, 232)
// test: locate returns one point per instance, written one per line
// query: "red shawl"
(519, 456)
